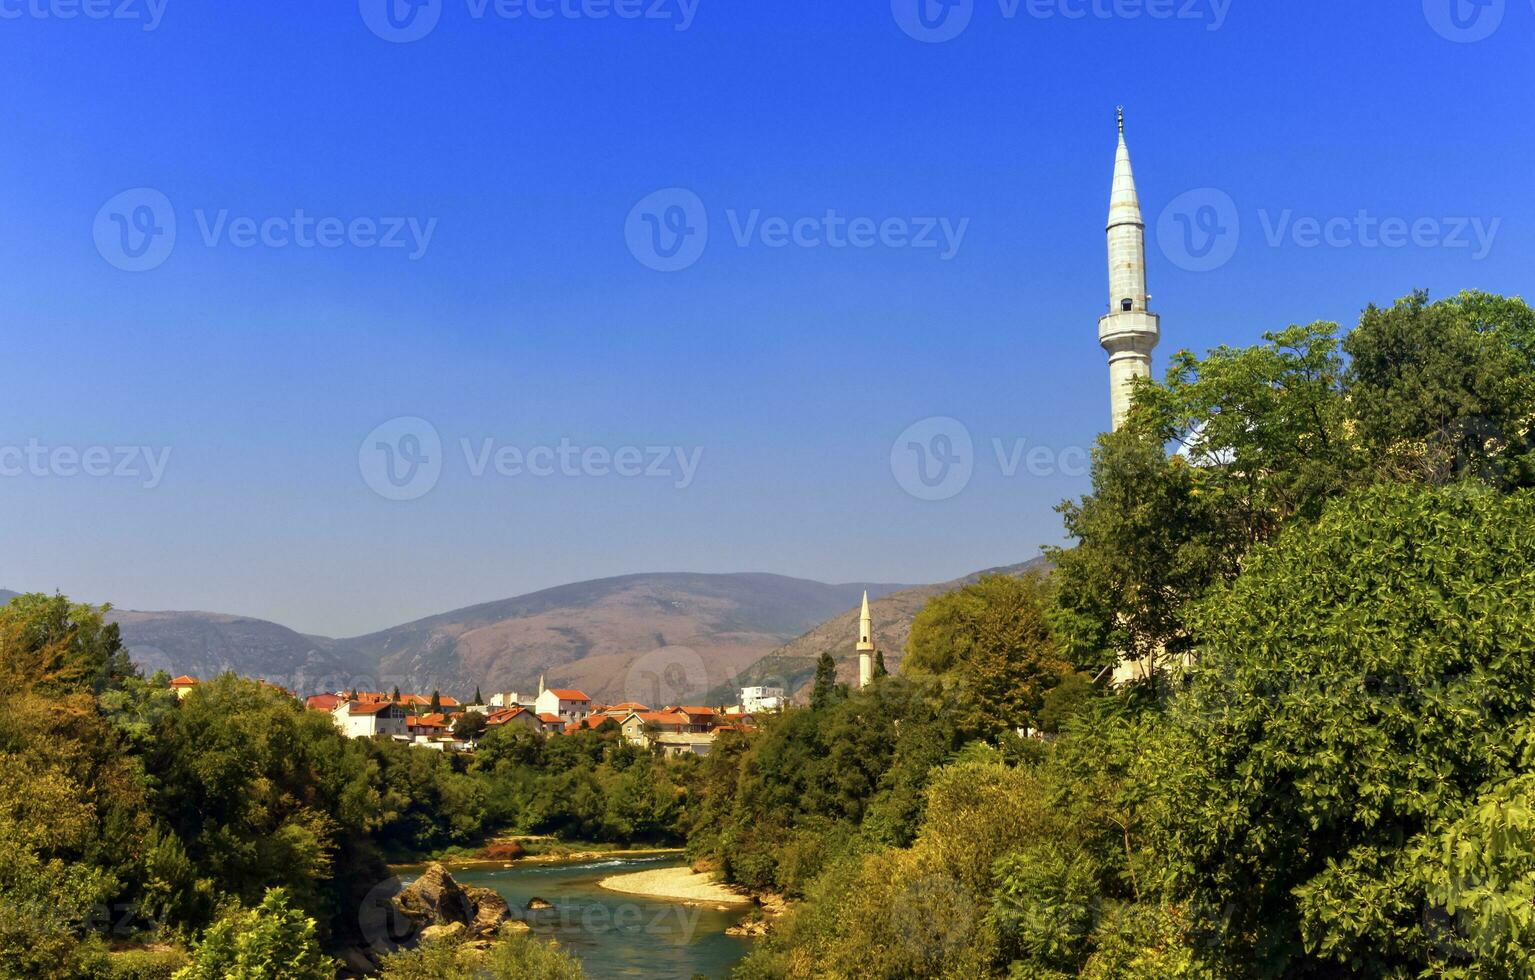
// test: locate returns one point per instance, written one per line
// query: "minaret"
(541, 684)
(1130, 331)
(865, 646)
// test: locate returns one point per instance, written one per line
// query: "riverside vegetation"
(1331, 772)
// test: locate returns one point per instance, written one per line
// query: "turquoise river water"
(617, 935)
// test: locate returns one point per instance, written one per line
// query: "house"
(358, 719)
(699, 719)
(686, 743)
(323, 702)
(517, 716)
(512, 699)
(641, 727)
(550, 724)
(183, 685)
(755, 699)
(570, 705)
(422, 727)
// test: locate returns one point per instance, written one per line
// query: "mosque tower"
(865, 645)
(1130, 331)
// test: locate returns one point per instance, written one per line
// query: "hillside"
(636, 637)
(207, 644)
(792, 666)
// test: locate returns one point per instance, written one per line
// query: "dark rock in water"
(435, 899)
(538, 905)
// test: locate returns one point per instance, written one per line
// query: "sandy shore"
(677, 884)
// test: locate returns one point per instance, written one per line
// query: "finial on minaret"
(1121, 120)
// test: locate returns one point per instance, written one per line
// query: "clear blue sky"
(528, 319)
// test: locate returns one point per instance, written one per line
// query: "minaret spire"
(865, 645)
(1130, 331)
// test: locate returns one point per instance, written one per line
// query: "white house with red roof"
(359, 719)
(566, 703)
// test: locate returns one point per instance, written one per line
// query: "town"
(442, 723)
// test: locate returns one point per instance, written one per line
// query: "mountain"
(208, 644)
(658, 637)
(792, 666)
(6, 595)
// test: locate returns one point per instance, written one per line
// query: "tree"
(436, 702)
(825, 689)
(477, 698)
(992, 640)
(270, 940)
(880, 670)
(395, 697)
(1331, 778)
(469, 727)
(1262, 440)
(1446, 390)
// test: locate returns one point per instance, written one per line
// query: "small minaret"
(541, 685)
(1130, 331)
(865, 645)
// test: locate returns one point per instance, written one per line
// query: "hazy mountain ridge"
(792, 666)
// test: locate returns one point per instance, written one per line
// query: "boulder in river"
(539, 905)
(435, 899)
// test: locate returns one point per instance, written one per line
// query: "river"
(617, 935)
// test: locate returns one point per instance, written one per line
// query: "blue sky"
(533, 317)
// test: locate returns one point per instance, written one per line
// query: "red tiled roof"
(567, 694)
(426, 721)
(628, 706)
(322, 702)
(551, 719)
(183, 681)
(358, 708)
(503, 715)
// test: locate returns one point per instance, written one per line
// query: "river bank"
(676, 884)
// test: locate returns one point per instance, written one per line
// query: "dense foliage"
(126, 814)
(1324, 545)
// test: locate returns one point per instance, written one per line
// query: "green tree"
(436, 706)
(1446, 390)
(469, 726)
(269, 941)
(993, 641)
(825, 689)
(1361, 702)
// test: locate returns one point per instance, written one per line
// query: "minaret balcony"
(1135, 330)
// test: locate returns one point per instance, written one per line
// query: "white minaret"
(1130, 331)
(865, 645)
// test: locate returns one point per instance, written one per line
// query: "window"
(1127, 305)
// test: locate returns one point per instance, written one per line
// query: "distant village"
(438, 721)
